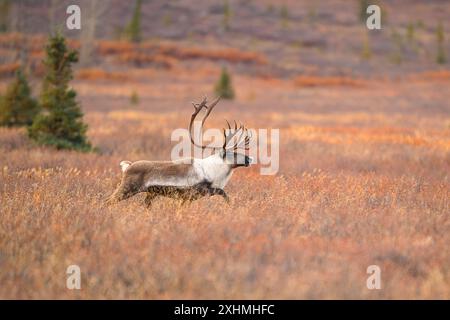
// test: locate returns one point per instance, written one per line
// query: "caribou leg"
(122, 192)
(149, 198)
(220, 192)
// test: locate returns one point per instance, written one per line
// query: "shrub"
(284, 16)
(398, 47)
(134, 98)
(226, 15)
(410, 32)
(313, 81)
(224, 86)
(61, 123)
(363, 4)
(9, 69)
(440, 57)
(99, 74)
(366, 52)
(18, 107)
(133, 30)
(167, 20)
(5, 8)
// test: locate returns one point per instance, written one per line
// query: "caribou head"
(234, 138)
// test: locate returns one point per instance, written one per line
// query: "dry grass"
(384, 135)
(314, 81)
(347, 196)
(308, 236)
(33, 42)
(154, 54)
(94, 74)
(439, 75)
(175, 51)
(8, 69)
(141, 58)
(363, 180)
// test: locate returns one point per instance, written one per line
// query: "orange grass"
(140, 58)
(308, 232)
(363, 180)
(315, 81)
(166, 49)
(439, 75)
(99, 74)
(345, 135)
(8, 69)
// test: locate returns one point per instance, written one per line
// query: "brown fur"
(134, 177)
(186, 194)
(158, 169)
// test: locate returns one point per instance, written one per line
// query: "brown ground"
(363, 180)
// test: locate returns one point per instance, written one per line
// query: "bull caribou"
(192, 178)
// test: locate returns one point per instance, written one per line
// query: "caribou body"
(187, 179)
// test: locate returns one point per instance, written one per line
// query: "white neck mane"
(214, 170)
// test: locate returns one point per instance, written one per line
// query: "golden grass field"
(354, 189)
(363, 178)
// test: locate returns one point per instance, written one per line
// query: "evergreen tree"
(133, 30)
(224, 86)
(5, 8)
(18, 107)
(440, 57)
(61, 123)
(226, 15)
(363, 4)
(366, 50)
(284, 16)
(134, 98)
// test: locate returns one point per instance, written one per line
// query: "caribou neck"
(214, 170)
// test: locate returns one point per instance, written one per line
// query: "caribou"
(192, 178)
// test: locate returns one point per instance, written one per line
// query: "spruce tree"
(440, 37)
(5, 8)
(18, 107)
(284, 16)
(224, 86)
(363, 4)
(226, 15)
(133, 30)
(61, 124)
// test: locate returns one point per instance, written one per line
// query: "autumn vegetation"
(364, 162)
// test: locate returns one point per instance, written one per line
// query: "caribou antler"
(239, 142)
(239, 133)
(198, 107)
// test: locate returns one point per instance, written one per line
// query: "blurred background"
(296, 63)
(258, 39)
(294, 56)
